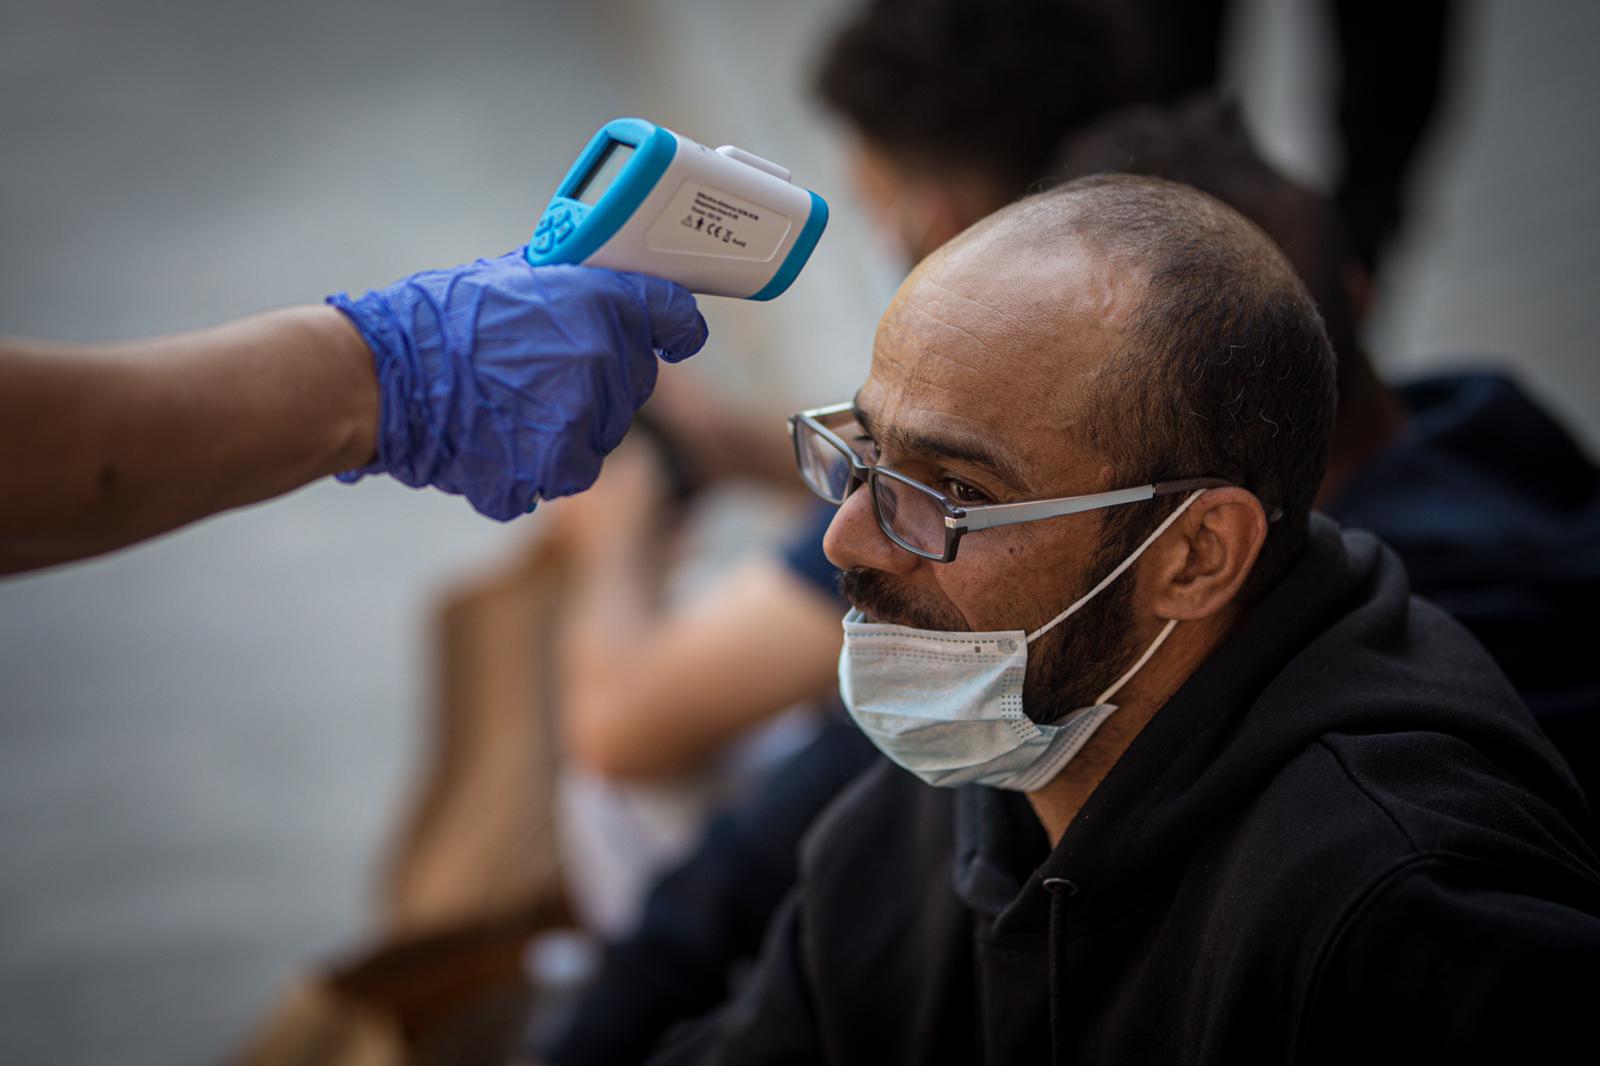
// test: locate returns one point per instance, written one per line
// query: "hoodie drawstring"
(1060, 890)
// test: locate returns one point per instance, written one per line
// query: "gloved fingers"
(636, 380)
(573, 466)
(572, 458)
(501, 503)
(678, 330)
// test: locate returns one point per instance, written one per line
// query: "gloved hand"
(505, 382)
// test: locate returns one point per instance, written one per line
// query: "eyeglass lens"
(909, 514)
(906, 512)
(826, 469)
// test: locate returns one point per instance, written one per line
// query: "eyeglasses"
(922, 520)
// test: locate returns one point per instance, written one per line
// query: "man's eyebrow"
(960, 447)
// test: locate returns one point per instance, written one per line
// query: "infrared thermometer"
(718, 221)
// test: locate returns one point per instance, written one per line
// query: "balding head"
(1152, 326)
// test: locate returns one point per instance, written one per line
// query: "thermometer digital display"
(721, 221)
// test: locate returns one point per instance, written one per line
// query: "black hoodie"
(1343, 840)
(1496, 512)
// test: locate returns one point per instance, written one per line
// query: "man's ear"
(1200, 565)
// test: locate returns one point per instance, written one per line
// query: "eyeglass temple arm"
(1006, 514)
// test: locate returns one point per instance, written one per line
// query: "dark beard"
(1067, 667)
(1072, 664)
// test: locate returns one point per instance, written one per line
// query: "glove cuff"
(370, 317)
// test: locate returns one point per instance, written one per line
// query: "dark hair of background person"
(975, 85)
(1203, 142)
(1227, 371)
(989, 86)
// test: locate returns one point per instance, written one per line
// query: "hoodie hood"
(1333, 650)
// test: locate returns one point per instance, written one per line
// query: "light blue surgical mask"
(948, 705)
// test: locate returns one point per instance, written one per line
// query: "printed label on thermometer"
(705, 221)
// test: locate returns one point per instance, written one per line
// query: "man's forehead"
(1039, 312)
(980, 346)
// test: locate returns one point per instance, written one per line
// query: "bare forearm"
(610, 617)
(665, 694)
(104, 445)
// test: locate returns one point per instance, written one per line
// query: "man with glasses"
(1213, 787)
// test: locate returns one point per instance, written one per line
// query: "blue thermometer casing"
(722, 221)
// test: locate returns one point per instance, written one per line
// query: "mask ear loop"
(1161, 638)
(1116, 573)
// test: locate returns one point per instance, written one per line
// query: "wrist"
(353, 393)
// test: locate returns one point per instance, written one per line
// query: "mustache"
(876, 595)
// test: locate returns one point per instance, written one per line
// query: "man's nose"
(855, 541)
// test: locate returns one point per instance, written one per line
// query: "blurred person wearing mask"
(495, 380)
(1212, 786)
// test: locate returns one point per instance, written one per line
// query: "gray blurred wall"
(203, 741)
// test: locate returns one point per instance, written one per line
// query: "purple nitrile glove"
(507, 383)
